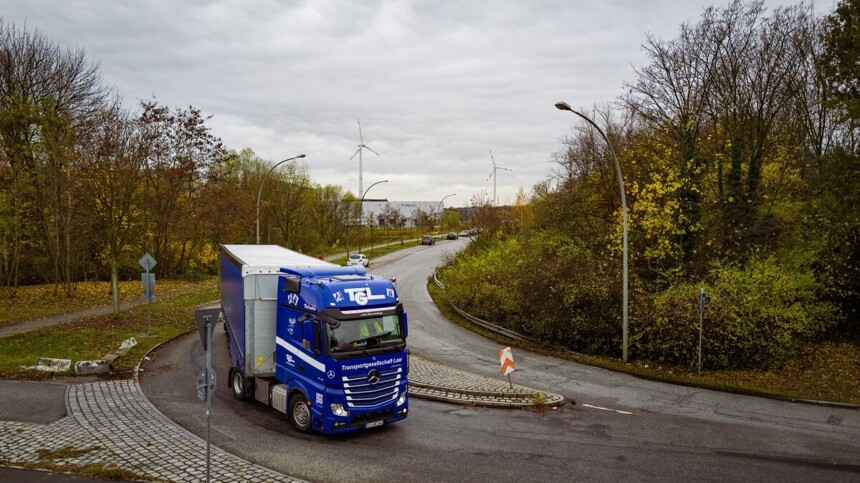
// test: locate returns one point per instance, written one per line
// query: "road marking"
(605, 409)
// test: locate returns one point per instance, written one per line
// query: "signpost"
(506, 359)
(205, 319)
(701, 320)
(148, 281)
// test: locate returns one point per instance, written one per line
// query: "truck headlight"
(338, 410)
(402, 399)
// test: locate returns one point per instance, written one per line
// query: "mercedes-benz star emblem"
(373, 377)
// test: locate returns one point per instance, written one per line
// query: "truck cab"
(341, 350)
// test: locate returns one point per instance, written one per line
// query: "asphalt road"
(621, 427)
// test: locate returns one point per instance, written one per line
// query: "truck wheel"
(237, 384)
(300, 414)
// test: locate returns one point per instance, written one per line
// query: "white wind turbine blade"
(491, 174)
(506, 169)
(368, 148)
(360, 136)
(355, 154)
(492, 159)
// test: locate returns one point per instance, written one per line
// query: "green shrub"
(756, 315)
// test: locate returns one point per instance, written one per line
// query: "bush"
(756, 315)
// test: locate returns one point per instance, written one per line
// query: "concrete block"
(126, 345)
(109, 358)
(85, 368)
(47, 364)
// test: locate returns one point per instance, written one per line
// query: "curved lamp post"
(361, 208)
(439, 210)
(260, 192)
(565, 107)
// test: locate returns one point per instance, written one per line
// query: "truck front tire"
(238, 385)
(300, 413)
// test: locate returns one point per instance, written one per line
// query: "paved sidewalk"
(114, 425)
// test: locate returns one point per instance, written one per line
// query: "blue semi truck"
(324, 344)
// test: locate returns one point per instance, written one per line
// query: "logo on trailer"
(389, 292)
(292, 327)
(290, 360)
(338, 297)
(362, 295)
(293, 299)
(319, 398)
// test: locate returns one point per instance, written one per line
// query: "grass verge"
(39, 301)
(93, 337)
(55, 461)
(823, 371)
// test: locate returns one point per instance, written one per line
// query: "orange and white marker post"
(506, 359)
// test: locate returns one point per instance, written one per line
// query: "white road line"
(605, 409)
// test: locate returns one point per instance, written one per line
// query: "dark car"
(428, 240)
(452, 236)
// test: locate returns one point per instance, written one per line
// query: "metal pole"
(565, 107)
(361, 209)
(701, 320)
(149, 311)
(260, 191)
(439, 210)
(208, 393)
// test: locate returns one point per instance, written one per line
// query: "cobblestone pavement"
(111, 423)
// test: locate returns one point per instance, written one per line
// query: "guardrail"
(483, 323)
(436, 280)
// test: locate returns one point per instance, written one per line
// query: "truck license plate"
(373, 424)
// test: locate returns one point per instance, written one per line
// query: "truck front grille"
(364, 391)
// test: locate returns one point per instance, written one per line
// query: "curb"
(430, 380)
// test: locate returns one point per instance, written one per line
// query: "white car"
(357, 259)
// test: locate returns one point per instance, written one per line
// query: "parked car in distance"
(357, 259)
(428, 240)
(464, 233)
(452, 236)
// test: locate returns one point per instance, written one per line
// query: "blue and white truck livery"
(324, 344)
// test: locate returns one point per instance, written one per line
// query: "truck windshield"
(364, 333)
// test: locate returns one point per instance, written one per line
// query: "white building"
(409, 211)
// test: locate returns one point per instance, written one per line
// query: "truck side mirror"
(311, 336)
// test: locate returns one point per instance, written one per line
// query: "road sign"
(200, 316)
(202, 386)
(148, 282)
(506, 359)
(147, 262)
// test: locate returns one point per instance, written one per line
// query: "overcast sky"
(437, 84)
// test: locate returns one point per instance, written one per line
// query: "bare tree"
(181, 152)
(48, 95)
(112, 186)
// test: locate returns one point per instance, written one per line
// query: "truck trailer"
(322, 343)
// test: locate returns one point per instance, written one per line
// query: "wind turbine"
(358, 152)
(493, 175)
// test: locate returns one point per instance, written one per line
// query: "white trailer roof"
(271, 258)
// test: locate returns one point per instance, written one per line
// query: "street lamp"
(439, 210)
(361, 206)
(260, 192)
(565, 107)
